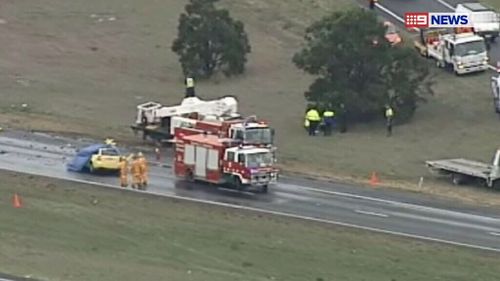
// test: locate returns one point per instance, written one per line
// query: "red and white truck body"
(249, 131)
(223, 161)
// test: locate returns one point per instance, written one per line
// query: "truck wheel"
(457, 179)
(189, 176)
(237, 183)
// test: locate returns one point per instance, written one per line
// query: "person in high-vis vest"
(189, 87)
(143, 164)
(389, 116)
(123, 172)
(314, 119)
(328, 119)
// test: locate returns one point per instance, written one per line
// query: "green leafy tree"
(355, 65)
(209, 40)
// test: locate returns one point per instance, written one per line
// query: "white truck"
(462, 170)
(157, 121)
(485, 20)
(462, 53)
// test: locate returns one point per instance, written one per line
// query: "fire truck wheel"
(189, 176)
(237, 183)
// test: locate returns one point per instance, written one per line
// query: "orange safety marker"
(374, 180)
(16, 201)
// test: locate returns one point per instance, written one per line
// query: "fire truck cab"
(224, 161)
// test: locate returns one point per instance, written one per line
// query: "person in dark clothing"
(343, 118)
(371, 4)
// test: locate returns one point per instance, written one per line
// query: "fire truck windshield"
(258, 136)
(261, 159)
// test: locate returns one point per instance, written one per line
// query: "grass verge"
(70, 63)
(68, 231)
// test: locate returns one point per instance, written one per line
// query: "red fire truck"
(250, 131)
(223, 161)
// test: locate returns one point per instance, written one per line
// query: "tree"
(209, 40)
(356, 66)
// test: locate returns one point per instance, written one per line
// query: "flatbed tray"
(463, 166)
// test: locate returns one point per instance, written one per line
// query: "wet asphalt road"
(394, 212)
(400, 7)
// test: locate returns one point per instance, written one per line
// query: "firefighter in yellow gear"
(123, 172)
(143, 164)
(135, 169)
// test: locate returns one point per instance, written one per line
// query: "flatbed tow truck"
(463, 170)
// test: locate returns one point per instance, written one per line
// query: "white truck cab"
(464, 53)
(485, 20)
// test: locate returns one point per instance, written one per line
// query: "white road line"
(421, 237)
(371, 213)
(444, 221)
(401, 204)
(495, 233)
(394, 15)
(446, 5)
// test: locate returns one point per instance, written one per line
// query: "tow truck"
(223, 161)
(155, 120)
(463, 170)
(461, 52)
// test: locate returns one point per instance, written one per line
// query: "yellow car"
(106, 158)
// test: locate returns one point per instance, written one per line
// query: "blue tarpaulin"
(82, 158)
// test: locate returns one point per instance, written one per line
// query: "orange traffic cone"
(374, 180)
(16, 201)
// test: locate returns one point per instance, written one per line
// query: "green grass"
(60, 234)
(67, 66)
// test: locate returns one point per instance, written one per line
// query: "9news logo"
(426, 20)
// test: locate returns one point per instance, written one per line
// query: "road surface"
(396, 9)
(352, 206)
